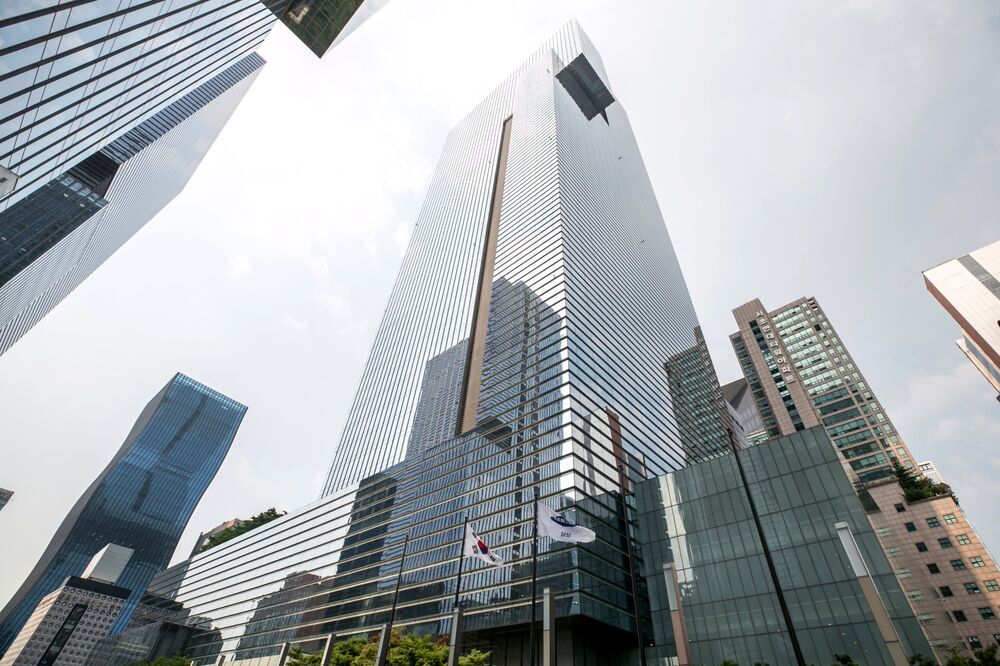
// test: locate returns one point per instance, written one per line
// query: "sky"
(796, 149)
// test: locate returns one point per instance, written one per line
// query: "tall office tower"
(527, 347)
(55, 237)
(78, 75)
(969, 289)
(540, 221)
(801, 375)
(142, 500)
(5, 496)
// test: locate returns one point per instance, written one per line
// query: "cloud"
(238, 267)
(289, 321)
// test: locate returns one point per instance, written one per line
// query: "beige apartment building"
(952, 582)
(801, 374)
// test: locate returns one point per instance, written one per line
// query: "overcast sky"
(825, 149)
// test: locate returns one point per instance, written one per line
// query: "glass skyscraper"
(94, 94)
(142, 500)
(540, 225)
(535, 342)
(54, 238)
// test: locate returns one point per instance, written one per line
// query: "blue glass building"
(143, 498)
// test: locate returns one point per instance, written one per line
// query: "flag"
(476, 547)
(554, 525)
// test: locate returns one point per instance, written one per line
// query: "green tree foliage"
(917, 486)
(404, 650)
(984, 657)
(296, 657)
(844, 660)
(918, 659)
(244, 527)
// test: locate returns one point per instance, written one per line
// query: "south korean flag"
(477, 548)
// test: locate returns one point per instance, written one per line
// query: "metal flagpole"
(461, 558)
(399, 580)
(534, 582)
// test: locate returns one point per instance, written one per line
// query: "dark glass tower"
(54, 238)
(142, 500)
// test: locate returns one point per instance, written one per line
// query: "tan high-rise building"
(802, 375)
(969, 289)
(949, 577)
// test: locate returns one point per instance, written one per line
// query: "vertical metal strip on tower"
(474, 363)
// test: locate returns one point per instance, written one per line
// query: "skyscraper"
(101, 107)
(142, 500)
(969, 289)
(76, 76)
(55, 237)
(540, 221)
(534, 342)
(801, 375)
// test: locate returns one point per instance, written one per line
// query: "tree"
(984, 657)
(844, 660)
(474, 658)
(243, 527)
(296, 657)
(917, 659)
(917, 486)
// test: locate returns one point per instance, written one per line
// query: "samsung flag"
(476, 547)
(552, 524)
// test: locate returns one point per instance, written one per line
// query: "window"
(945, 542)
(933, 522)
(960, 616)
(910, 527)
(958, 565)
(992, 586)
(977, 561)
(915, 595)
(974, 642)
(996, 637)
(921, 547)
(972, 588)
(883, 531)
(946, 591)
(963, 539)
(926, 618)
(987, 613)
(950, 518)
(900, 508)
(933, 568)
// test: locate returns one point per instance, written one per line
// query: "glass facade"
(587, 309)
(759, 564)
(801, 375)
(524, 350)
(76, 76)
(54, 238)
(142, 500)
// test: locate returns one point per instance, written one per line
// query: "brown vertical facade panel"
(474, 363)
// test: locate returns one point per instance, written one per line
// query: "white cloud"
(289, 321)
(238, 267)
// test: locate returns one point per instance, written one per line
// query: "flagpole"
(461, 558)
(534, 581)
(399, 580)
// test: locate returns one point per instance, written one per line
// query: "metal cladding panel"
(142, 500)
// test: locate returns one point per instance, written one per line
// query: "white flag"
(552, 524)
(476, 547)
